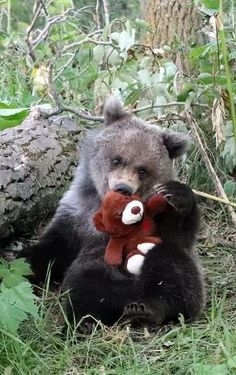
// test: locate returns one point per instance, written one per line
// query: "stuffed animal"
(131, 227)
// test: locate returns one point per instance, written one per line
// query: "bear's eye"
(142, 173)
(116, 162)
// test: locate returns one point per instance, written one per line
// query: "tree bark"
(172, 21)
(37, 160)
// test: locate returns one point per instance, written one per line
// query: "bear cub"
(129, 156)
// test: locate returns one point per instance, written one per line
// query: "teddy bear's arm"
(98, 221)
(155, 204)
(114, 252)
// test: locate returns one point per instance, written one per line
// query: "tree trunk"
(37, 160)
(173, 22)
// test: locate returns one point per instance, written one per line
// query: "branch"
(43, 34)
(97, 14)
(203, 147)
(106, 12)
(214, 198)
(29, 29)
(82, 114)
(88, 116)
(169, 104)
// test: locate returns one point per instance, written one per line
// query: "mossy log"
(37, 160)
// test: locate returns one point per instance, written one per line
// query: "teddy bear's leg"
(134, 264)
(136, 258)
(145, 247)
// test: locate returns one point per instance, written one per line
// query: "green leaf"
(4, 105)
(230, 188)
(15, 305)
(98, 53)
(202, 51)
(126, 39)
(229, 153)
(115, 36)
(232, 362)
(145, 77)
(184, 94)
(12, 273)
(21, 267)
(133, 97)
(211, 4)
(141, 24)
(120, 85)
(170, 69)
(9, 112)
(10, 117)
(205, 78)
(112, 56)
(232, 55)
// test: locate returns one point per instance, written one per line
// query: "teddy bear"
(129, 223)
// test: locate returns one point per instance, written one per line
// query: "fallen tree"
(37, 160)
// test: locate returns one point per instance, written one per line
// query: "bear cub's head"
(130, 156)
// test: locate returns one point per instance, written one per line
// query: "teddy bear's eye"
(116, 162)
(142, 173)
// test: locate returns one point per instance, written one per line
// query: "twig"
(29, 29)
(202, 147)
(52, 89)
(106, 12)
(169, 104)
(97, 14)
(82, 114)
(214, 198)
(44, 33)
(218, 241)
(88, 116)
(44, 8)
(63, 68)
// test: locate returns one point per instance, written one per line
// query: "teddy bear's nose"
(135, 210)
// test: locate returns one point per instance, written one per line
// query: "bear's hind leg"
(170, 283)
(98, 290)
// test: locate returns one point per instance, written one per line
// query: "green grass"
(205, 347)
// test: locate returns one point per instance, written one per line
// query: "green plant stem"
(214, 198)
(227, 70)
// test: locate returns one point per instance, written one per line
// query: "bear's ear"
(113, 110)
(176, 143)
(98, 222)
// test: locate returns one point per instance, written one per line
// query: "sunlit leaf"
(230, 188)
(15, 305)
(211, 4)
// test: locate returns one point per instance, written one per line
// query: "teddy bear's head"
(117, 213)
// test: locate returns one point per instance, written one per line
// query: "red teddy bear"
(131, 227)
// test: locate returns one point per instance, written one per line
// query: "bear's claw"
(137, 312)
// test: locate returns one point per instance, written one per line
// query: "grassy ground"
(205, 347)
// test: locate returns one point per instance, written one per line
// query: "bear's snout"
(123, 189)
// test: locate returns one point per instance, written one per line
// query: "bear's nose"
(123, 189)
(135, 210)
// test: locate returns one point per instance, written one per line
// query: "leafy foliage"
(114, 59)
(17, 301)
